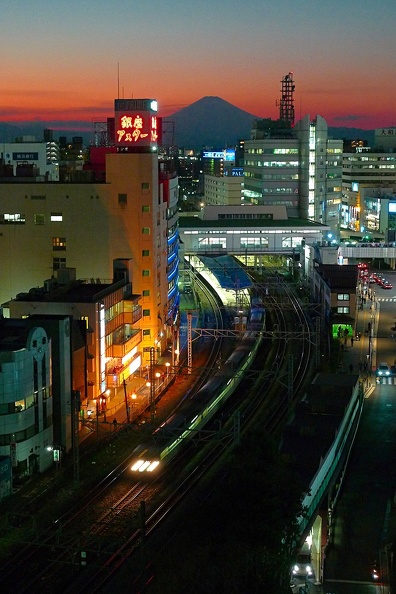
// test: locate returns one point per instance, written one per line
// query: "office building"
(299, 169)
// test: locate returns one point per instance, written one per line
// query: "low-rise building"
(26, 399)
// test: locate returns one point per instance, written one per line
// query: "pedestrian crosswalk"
(387, 381)
(390, 299)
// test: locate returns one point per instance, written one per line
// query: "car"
(386, 285)
(383, 369)
(302, 569)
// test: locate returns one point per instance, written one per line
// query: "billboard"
(226, 154)
(137, 127)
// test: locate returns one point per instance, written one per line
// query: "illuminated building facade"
(299, 169)
(111, 314)
(225, 189)
(368, 177)
(131, 214)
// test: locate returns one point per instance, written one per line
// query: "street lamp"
(133, 398)
(157, 375)
(167, 365)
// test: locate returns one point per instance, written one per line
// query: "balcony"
(124, 344)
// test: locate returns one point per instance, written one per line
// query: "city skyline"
(70, 61)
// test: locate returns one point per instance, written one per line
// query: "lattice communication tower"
(286, 109)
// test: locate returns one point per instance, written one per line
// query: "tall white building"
(300, 168)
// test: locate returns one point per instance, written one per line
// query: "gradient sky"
(60, 60)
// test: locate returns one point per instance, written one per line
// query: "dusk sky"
(60, 59)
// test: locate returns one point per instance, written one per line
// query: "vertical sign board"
(13, 454)
(56, 455)
(137, 126)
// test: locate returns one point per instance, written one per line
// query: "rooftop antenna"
(118, 80)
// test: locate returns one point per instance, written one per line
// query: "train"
(195, 412)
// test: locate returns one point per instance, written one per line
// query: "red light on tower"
(136, 125)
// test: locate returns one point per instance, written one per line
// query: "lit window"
(145, 272)
(146, 293)
(146, 230)
(145, 253)
(59, 243)
(12, 219)
(56, 216)
(343, 310)
(146, 312)
(343, 297)
(145, 208)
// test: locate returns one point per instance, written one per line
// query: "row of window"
(20, 436)
(272, 151)
(19, 218)
(271, 164)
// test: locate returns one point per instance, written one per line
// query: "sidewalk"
(360, 355)
(136, 395)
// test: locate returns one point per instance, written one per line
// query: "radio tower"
(286, 110)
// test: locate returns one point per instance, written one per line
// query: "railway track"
(102, 519)
(96, 525)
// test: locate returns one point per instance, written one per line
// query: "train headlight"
(137, 465)
(153, 466)
(144, 466)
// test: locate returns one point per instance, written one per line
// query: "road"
(363, 518)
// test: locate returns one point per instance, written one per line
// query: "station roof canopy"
(227, 271)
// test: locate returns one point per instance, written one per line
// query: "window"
(145, 187)
(59, 243)
(146, 293)
(37, 197)
(58, 263)
(343, 297)
(39, 219)
(146, 230)
(145, 272)
(56, 217)
(145, 208)
(122, 198)
(146, 332)
(12, 219)
(145, 253)
(146, 312)
(343, 310)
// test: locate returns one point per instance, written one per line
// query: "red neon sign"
(139, 129)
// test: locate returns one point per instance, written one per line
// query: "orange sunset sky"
(70, 61)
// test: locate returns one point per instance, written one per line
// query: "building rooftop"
(189, 222)
(77, 291)
(338, 277)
